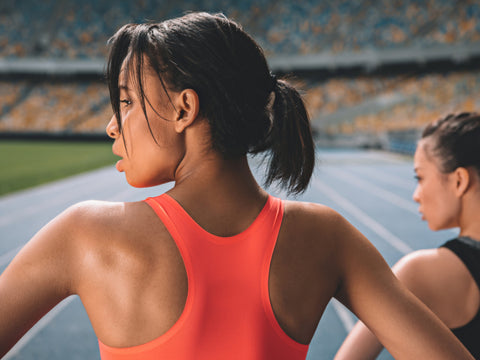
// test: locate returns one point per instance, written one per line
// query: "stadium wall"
(346, 62)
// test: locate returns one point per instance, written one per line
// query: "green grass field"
(24, 164)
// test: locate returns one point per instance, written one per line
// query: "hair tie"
(273, 82)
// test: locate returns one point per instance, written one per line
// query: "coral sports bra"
(227, 314)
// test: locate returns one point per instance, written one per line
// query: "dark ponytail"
(228, 70)
(292, 157)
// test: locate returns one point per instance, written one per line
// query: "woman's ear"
(188, 106)
(462, 180)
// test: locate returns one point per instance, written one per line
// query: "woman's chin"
(439, 227)
(136, 183)
(119, 166)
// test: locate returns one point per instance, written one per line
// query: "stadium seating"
(392, 104)
(57, 108)
(80, 29)
(375, 104)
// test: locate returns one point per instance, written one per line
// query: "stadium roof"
(372, 59)
(366, 59)
(34, 66)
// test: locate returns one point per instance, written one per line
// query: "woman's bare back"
(132, 278)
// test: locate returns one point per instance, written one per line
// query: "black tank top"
(468, 250)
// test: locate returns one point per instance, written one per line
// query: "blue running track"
(372, 189)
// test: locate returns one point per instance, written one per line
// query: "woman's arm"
(37, 279)
(415, 272)
(360, 344)
(406, 327)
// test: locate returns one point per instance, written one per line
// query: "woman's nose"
(112, 128)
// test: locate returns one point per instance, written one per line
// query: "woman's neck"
(470, 216)
(214, 177)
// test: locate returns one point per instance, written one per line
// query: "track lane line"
(344, 315)
(379, 192)
(7, 257)
(375, 190)
(387, 178)
(376, 227)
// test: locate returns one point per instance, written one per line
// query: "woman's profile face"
(435, 191)
(152, 150)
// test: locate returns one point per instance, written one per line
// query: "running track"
(371, 189)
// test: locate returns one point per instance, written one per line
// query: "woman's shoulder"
(319, 220)
(110, 222)
(320, 228)
(91, 210)
(440, 279)
(91, 216)
(428, 265)
(115, 234)
(107, 231)
(426, 269)
(312, 214)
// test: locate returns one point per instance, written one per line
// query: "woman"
(215, 268)
(447, 279)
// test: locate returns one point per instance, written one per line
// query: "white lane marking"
(343, 314)
(39, 326)
(65, 191)
(375, 190)
(380, 230)
(65, 198)
(31, 210)
(346, 318)
(47, 319)
(388, 178)
(379, 192)
(7, 257)
(122, 195)
(53, 189)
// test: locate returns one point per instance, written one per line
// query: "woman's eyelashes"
(126, 102)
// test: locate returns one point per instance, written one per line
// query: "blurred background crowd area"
(80, 29)
(356, 98)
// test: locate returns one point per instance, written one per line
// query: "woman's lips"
(422, 215)
(118, 165)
